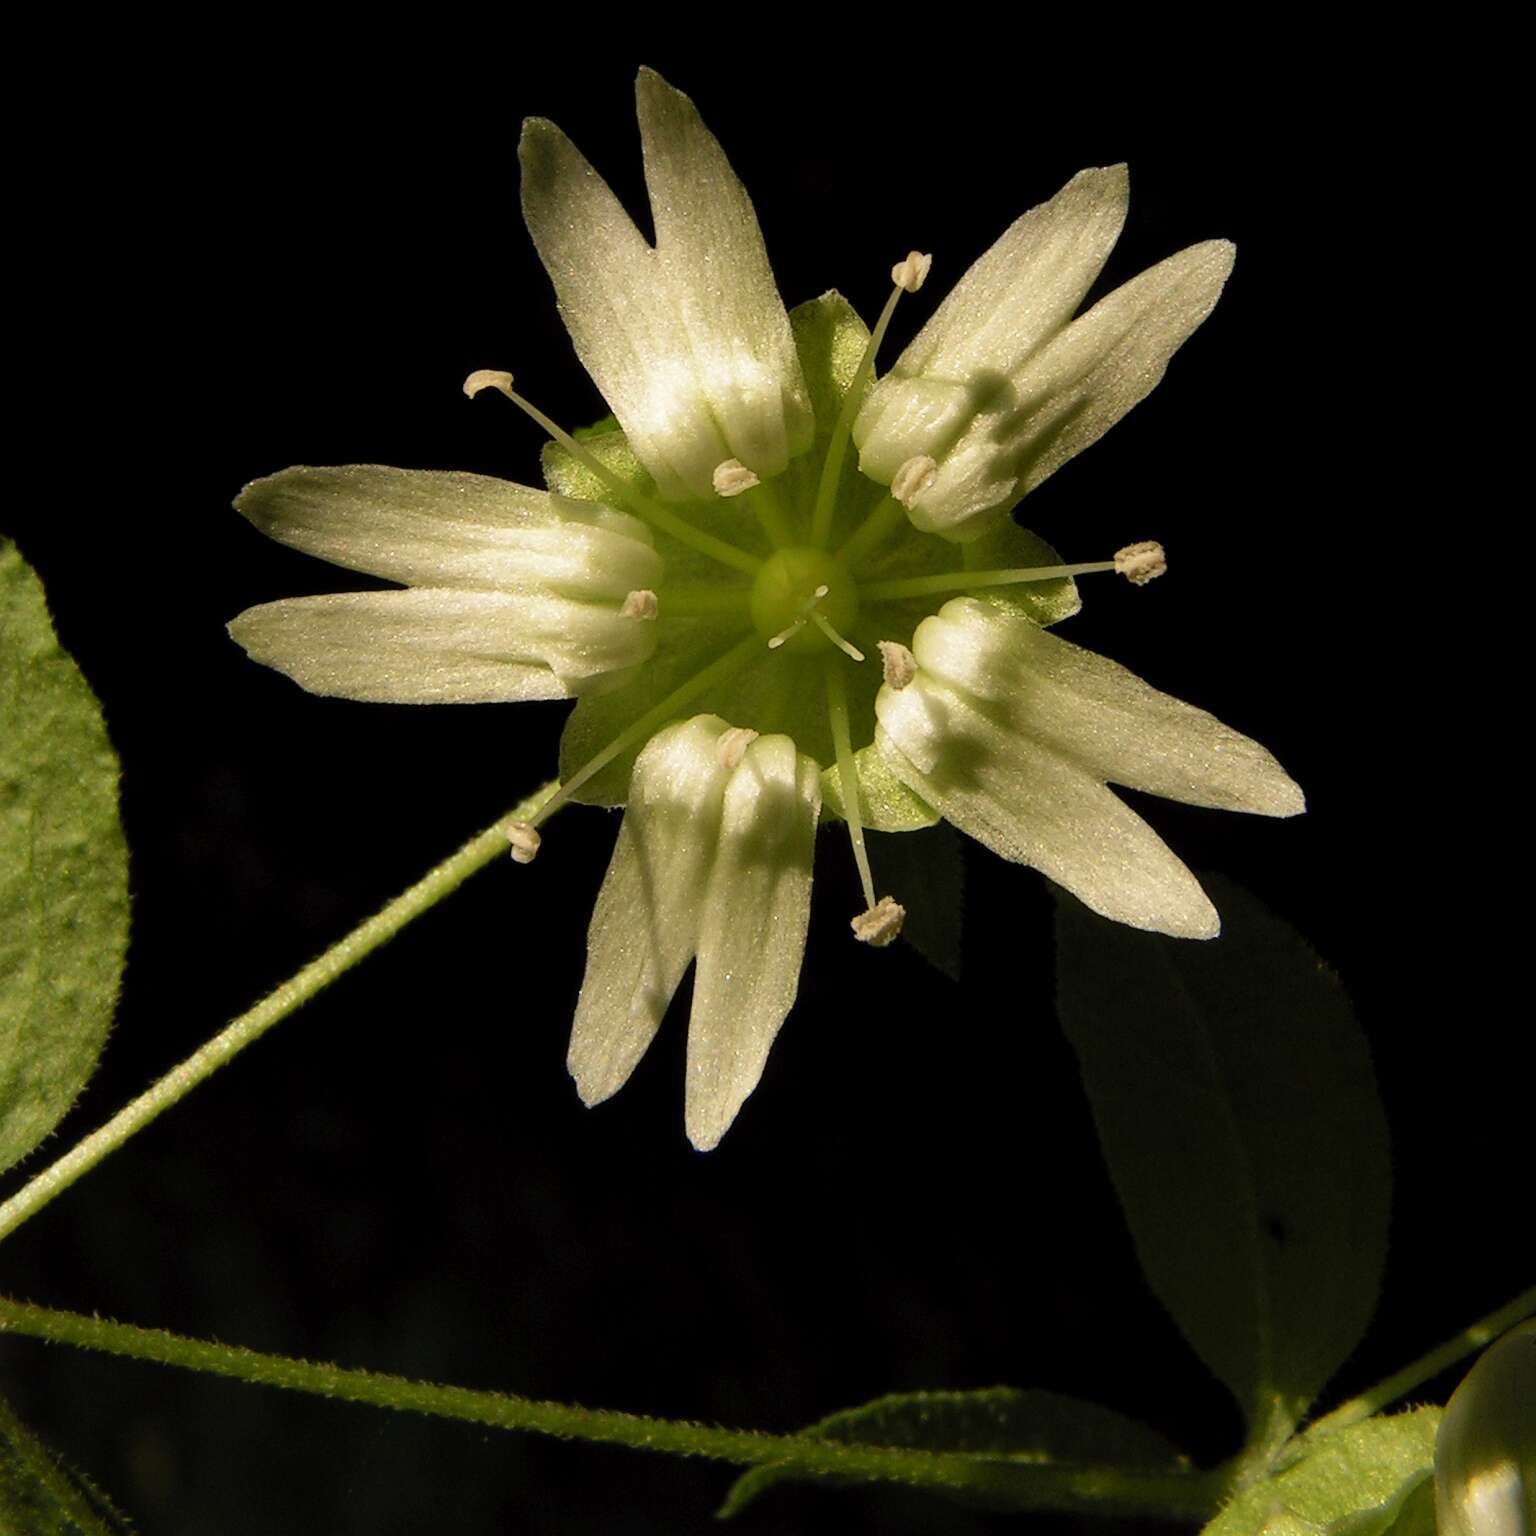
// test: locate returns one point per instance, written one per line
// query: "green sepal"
(1364, 1480)
(1005, 1429)
(1009, 547)
(885, 803)
(830, 339)
(566, 475)
(1235, 1102)
(63, 870)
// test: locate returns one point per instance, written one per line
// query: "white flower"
(732, 601)
(1003, 386)
(1485, 1449)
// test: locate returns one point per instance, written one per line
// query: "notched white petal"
(434, 646)
(448, 529)
(752, 934)
(689, 341)
(645, 928)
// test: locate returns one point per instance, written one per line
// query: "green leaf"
(63, 871)
(39, 1496)
(999, 1426)
(1238, 1113)
(1361, 1481)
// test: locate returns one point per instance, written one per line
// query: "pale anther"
(640, 604)
(524, 840)
(913, 478)
(488, 378)
(880, 924)
(908, 275)
(1140, 563)
(732, 477)
(732, 745)
(899, 664)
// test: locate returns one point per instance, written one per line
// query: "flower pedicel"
(761, 627)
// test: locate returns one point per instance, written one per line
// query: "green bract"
(770, 543)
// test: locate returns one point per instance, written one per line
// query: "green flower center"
(792, 584)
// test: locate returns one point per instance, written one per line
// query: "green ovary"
(784, 591)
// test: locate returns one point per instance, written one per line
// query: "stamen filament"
(837, 447)
(632, 500)
(964, 581)
(766, 503)
(722, 667)
(847, 775)
(886, 518)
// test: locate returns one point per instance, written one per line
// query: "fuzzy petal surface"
(752, 935)
(645, 928)
(430, 645)
(1012, 301)
(689, 342)
(1099, 715)
(446, 529)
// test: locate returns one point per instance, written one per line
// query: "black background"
(282, 256)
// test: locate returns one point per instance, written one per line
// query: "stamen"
(732, 477)
(847, 774)
(1138, 563)
(837, 445)
(640, 604)
(488, 378)
(638, 730)
(913, 478)
(1141, 563)
(625, 495)
(899, 664)
(732, 746)
(909, 275)
(880, 924)
(525, 841)
(888, 516)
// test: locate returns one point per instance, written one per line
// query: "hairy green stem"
(1473, 1337)
(1022, 1485)
(255, 1022)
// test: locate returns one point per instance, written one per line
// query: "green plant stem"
(255, 1022)
(1022, 1485)
(1484, 1331)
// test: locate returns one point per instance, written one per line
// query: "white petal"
(752, 936)
(1072, 391)
(711, 251)
(1013, 300)
(1100, 715)
(431, 645)
(645, 928)
(446, 529)
(689, 342)
(1031, 805)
